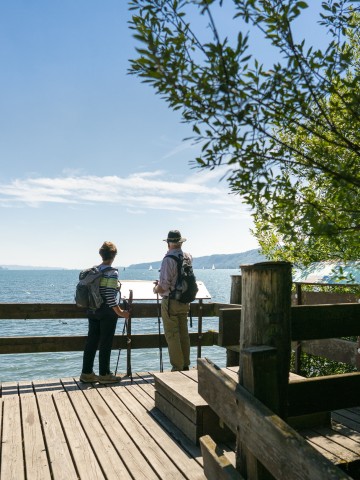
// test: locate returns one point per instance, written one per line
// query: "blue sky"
(89, 153)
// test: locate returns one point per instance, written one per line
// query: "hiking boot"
(109, 378)
(185, 369)
(88, 377)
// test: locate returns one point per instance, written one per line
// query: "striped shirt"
(109, 286)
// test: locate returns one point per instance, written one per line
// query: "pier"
(252, 420)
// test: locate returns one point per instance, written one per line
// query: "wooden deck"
(63, 429)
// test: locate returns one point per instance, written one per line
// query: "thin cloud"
(139, 192)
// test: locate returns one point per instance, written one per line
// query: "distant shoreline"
(209, 262)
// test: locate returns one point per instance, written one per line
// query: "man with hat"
(173, 312)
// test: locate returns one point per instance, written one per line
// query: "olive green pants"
(174, 315)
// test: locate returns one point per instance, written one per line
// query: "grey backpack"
(87, 294)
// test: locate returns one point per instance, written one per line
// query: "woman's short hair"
(108, 250)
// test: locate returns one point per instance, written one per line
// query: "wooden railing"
(262, 406)
(314, 329)
(56, 311)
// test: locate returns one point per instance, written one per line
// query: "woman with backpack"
(103, 320)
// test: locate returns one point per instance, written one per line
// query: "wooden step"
(177, 397)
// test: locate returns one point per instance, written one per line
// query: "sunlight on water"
(58, 286)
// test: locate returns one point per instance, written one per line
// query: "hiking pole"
(159, 325)
(125, 307)
(128, 331)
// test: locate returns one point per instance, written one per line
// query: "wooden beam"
(229, 326)
(265, 316)
(319, 394)
(335, 349)
(276, 445)
(10, 345)
(307, 322)
(27, 311)
(216, 465)
(325, 321)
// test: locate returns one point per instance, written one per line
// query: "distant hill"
(231, 260)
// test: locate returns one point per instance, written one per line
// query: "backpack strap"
(179, 260)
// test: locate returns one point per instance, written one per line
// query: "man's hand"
(155, 290)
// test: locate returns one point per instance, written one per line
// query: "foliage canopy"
(290, 131)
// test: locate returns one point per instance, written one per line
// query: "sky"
(88, 153)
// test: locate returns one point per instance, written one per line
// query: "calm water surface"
(57, 286)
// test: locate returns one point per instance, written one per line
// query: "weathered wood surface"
(307, 322)
(61, 429)
(216, 464)
(317, 298)
(30, 311)
(265, 318)
(177, 397)
(318, 394)
(267, 436)
(325, 321)
(76, 343)
(335, 349)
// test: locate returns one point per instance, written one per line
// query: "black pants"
(102, 326)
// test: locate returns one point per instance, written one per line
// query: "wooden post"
(232, 356)
(265, 321)
(265, 316)
(298, 344)
(199, 339)
(236, 289)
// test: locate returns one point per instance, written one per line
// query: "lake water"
(58, 286)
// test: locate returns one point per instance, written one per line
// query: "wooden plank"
(178, 398)
(12, 461)
(345, 430)
(229, 326)
(123, 439)
(349, 443)
(347, 418)
(25, 387)
(323, 393)
(145, 400)
(48, 386)
(188, 465)
(326, 441)
(325, 321)
(9, 388)
(307, 323)
(317, 298)
(9, 345)
(60, 459)
(160, 463)
(266, 435)
(36, 462)
(179, 392)
(93, 415)
(191, 428)
(216, 464)
(233, 373)
(335, 349)
(87, 465)
(55, 311)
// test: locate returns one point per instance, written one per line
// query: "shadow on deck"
(63, 429)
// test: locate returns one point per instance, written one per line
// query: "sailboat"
(213, 267)
(150, 268)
